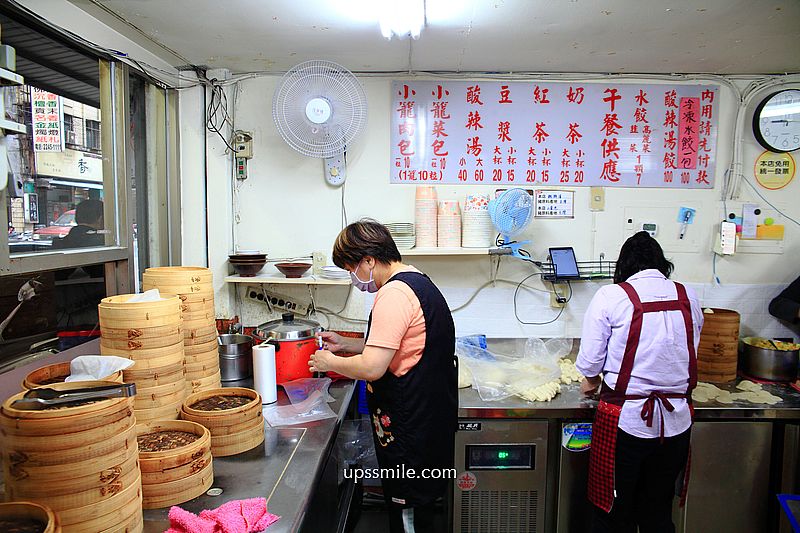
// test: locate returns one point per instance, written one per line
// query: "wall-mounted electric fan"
(510, 213)
(319, 107)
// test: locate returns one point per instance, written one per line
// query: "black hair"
(367, 237)
(89, 212)
(641, 252)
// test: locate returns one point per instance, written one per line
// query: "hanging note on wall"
(554, 133)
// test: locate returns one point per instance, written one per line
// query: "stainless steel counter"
(285, 469)
(570, 403)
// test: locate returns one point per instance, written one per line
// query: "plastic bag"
(497, 377)
(300, 389)
(95, 367)
(312, 408)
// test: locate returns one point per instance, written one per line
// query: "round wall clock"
(776, 121)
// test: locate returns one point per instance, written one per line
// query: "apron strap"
(632, 344)
(686, 311)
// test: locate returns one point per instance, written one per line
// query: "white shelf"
(444, 251)
(281, 279)
(8, 77)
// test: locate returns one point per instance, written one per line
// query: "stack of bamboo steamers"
(194, 287)
(80, 461)
(150, 334)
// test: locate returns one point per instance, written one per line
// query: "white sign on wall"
(48, 119)
(555, 133)
(72, 164)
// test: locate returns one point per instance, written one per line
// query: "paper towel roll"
(264, 372)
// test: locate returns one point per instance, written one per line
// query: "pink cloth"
(238, 516)
(662, 360)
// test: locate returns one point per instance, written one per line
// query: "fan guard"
(319, 107)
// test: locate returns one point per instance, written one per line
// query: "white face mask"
(366, 286)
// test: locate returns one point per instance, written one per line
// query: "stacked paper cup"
(425, 217)
(448, 224)
(150, 334)
(477, 228)
(194, 287)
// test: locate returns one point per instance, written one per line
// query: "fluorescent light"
(401, 17)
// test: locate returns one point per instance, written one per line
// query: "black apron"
(414, 417)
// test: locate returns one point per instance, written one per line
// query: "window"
(69, 130)
(93, 135)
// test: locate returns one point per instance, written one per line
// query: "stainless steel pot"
(770, 365)
(235, 356)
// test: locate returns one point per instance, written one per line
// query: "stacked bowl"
(403, 234)
(247, 263)
(194, 287)
(425, 217)
(448, 223)
(477, 230)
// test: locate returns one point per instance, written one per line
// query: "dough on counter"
(464, 376)
(569, 373)
(749, 386)
(542, 393)
(748, 392)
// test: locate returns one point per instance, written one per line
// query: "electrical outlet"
(559, 300)
(278, 301)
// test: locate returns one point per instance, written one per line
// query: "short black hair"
(367, 237)
(641, 252)
(89, 211)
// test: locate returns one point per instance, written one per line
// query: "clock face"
(776, 122)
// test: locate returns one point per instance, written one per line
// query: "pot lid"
(288, 328)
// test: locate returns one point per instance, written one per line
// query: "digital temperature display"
(500, 456)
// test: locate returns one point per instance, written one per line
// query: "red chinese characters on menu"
(610, 144)
(688, 132)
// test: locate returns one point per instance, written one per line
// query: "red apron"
(602, 454)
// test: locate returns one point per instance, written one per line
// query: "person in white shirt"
(641, 334)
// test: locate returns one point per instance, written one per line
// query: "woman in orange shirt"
(408, 360)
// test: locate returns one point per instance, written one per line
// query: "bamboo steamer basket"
(167, 412)
(202, 347)
(155, 401)
(121, 302)
(717, 353)
(200, 335)
(84, 498)
(152, 377)
(108, 513)
(140, 333)
(240, 443)
(143, 353)
(86, 453)
(134, 345)
(195, 385)
(58, 370)
(35, 443)
(14, 472)
(202, 371)
(223, 444)
(144, 321)
(55, 487)
(196, 324)
(171, 477)
(156, 363)
(195, 361)
(30, 510)
(181, 274)
(162, 462)
(247, 425)
(160, 390)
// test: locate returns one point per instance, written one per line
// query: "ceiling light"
(401, 17)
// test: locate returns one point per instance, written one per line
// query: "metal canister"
(235, 356)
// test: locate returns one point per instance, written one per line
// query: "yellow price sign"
(773, 170)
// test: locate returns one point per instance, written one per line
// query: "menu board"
(554, 133)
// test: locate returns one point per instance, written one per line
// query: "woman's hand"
(321, 361)
(589, 386)
(333, 341)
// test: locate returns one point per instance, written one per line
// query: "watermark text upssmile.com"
(400, 472)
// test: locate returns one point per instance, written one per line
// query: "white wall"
(286, 209)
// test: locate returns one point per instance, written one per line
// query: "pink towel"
(238, 516)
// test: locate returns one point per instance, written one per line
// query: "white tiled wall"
(492, 311)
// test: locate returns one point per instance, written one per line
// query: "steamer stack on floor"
(194, 287)
(151, 334)
(81, 462)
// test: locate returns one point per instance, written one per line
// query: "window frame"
(113, 104)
